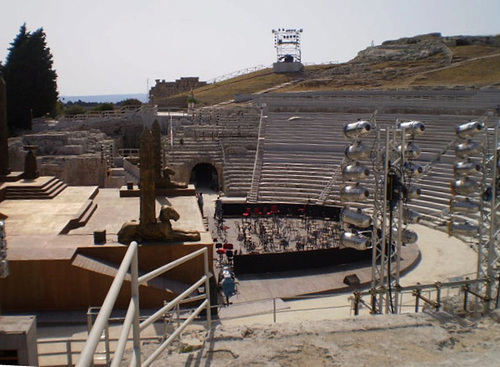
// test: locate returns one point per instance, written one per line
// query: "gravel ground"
(422, 339)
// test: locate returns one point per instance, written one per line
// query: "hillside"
(427, 61)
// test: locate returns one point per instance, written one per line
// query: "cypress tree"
(31, 81)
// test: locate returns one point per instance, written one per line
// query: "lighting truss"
(287, 44)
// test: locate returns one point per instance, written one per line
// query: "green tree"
(107, 106)
(130, 102)
(31, 81)
(75, 109)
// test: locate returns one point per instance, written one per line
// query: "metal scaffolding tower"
(287, 44)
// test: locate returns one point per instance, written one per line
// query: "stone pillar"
(156, 131)
(30, 166)
(148, 204)
(4, 132)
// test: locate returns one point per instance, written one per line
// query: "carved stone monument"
(150, 228)
(162, 173)
(4, 132)
(30, 166)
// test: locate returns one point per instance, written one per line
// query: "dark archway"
(205, 175)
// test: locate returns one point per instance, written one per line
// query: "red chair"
(247, 212)
(218, 245)
(257, 211)
(274, 209)
(228, 246)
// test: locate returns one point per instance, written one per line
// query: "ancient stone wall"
(163, 89)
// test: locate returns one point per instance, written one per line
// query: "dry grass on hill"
(474, 65)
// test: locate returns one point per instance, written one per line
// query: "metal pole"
(207, 291)
(69, 353)
(106, 344)
(492, 248)
(87, 355)
(274, 310)
(136, 333)
(438, 296)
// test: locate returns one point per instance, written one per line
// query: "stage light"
(355, 172)
(413, 128)
(412, 151)
(355, 218)
(409, 237)
(354, 193)
(413, 192)
(462, 228)
(355, 241)
(469, 129)
(356, 130)
(467, 149)
(463, 168)
(464, 186)
(464, 205)
(410, 216)
(413, 169)
(357, 151)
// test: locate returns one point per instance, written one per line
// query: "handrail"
(87, 355)
(131, 321)
(253, 193)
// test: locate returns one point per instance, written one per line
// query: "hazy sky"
(119, 46)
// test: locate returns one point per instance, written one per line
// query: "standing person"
(218, 208)
(200, 202)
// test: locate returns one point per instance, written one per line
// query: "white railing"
(132, 322)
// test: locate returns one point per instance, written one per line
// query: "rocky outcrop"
(406, 49)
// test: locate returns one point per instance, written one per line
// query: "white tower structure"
(287, 44)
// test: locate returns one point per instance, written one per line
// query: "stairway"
(36, 190)
(83, 215)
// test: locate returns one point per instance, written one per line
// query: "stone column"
(156, 131)
(148, 205)
(4, 132)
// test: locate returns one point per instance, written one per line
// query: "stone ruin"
(149, 227)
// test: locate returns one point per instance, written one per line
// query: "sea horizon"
(105, 98)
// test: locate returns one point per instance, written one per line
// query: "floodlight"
(412, 151)
(468, 167)
(464, 206)
(355, 241)
(413, 192)
(413, 169)
(354, 193)
(410, 216)
(355, 218)
(413, 128)
(469, 129)
(357, 151)
(356, 130)
(464, 186)
(409, 237)
(355, 172)
(462, 228)
(467, 149)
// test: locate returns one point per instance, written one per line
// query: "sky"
(123, 46)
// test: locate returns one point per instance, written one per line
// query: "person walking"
(200, 202)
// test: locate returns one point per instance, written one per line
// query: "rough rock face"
(421, 47)
(405, 49)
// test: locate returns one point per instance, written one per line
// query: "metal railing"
(458, 296)
(132, 322)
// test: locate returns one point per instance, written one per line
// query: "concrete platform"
(33, 226)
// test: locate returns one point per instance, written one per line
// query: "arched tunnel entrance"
(205, 175)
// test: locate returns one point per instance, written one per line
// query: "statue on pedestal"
(150, 228)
